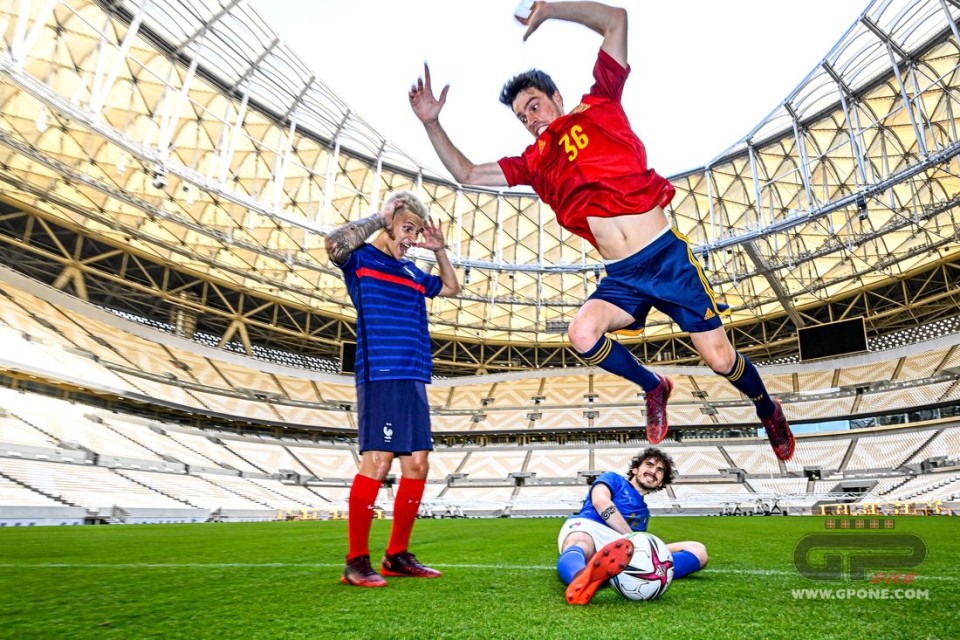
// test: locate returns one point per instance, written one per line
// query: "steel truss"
(120, 277)
(187, 138)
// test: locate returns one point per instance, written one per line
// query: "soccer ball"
(650, 570)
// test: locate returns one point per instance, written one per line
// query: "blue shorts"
(665, 275)
(394, 415)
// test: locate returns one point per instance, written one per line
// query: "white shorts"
(601, 533)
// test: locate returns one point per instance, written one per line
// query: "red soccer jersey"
(589, 162)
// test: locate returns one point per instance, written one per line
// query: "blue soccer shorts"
(665, 275)
(394, 415)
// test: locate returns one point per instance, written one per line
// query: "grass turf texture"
(280, 580)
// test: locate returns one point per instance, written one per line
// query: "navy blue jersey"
(393, 341)
(628, 501)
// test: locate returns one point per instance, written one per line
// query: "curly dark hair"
(533, 78)
(659, 456)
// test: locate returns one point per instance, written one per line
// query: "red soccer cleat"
(657, 410)
(778, 433)
(406, 564)
(359, 573)
(609, 561)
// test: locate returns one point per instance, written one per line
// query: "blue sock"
(684, 563)
(614, 357)
(570, 563)
(745, 377)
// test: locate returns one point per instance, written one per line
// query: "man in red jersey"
(591, 168)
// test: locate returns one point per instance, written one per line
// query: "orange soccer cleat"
(609, 561)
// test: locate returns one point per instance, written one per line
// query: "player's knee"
(416, 471)
(700, 551)
(720, 360)
(376, 464)
(583, 333)
(581, 540)
(378, 472)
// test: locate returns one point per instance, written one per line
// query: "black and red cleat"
(657, 425)
(359, 573)
(609, 561)
(406, 564)
(778, 433)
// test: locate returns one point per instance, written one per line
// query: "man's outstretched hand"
(425, 106)
(533, 21)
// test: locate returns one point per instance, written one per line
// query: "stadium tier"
(59, 454)
(106, 352)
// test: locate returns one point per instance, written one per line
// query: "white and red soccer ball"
(650, 571)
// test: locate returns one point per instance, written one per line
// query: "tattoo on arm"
(344, 240)
(606, 513)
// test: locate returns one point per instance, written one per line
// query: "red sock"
(363, 493)
(405, 508)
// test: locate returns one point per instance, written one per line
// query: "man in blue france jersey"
(614, 506)
(393, 365)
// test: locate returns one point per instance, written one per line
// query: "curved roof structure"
(188, 135)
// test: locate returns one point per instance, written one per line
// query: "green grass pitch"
(281, 580)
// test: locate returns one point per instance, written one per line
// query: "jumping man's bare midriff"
(622, 236)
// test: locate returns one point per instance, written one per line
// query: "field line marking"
(327, 565)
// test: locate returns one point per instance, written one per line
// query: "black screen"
(348, 357)
(832, 339)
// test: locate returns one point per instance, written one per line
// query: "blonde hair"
(411, 203)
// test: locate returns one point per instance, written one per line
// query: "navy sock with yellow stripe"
(614, 357)
(745, 377)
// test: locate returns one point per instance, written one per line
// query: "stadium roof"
(188, 133)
